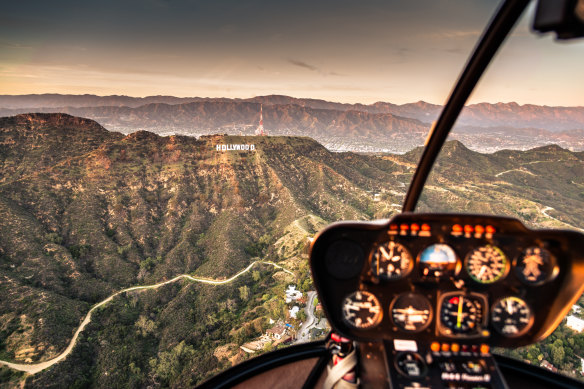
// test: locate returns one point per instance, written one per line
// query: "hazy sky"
(339, 50)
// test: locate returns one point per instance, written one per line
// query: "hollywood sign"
(246, 147)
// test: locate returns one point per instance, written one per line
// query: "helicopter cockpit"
(420, 300)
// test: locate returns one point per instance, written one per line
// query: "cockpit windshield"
(165, 166)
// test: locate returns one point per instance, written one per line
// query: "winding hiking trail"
(34, 368)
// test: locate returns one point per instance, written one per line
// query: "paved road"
(34, 368)
(303, 332)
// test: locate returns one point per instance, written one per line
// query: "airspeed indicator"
(391, 261)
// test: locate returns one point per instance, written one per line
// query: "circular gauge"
(411, 312)
(535, 266)
(438, 260)
(362, 310)
(411, 365)
(511, 316)
(486, 264)
(461, 314)
(391, 261)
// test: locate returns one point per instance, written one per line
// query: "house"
(546, 365)
(575, 323)
(277, 332)
(294, 311)
(292, 294)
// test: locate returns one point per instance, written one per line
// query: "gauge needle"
(459, 316)
(509, 307)
(385, 254)
(481, 272)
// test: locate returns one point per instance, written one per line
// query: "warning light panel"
(457, 230)
(425, 230)
(413, 229)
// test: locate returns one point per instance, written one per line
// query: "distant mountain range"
(85, 212)
(341, 127)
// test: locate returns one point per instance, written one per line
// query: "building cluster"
(281, 332)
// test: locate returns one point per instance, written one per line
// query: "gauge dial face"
(461, 314)
(411, 312)
(511, 316)
(362, 310)
(391, 261)
(411, 365)
(486, 264)
(438, 260)
(534, 266)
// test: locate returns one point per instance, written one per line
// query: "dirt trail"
(34, 368)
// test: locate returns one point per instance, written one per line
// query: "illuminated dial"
(438, 260)
(461, 314)
(362, 310)
(511, 316)
(411, 312)
(391, 261)
(535, 266)
(486, 264)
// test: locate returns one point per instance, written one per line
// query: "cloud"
(312, 68)
(9, 45)
(303, 65)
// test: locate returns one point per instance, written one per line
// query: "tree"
(244, 292)
(301, 315)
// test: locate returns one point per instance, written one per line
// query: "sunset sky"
(348, 51)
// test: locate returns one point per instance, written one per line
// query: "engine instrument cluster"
(441, 277)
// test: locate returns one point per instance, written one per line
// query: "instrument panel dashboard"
(449, 277)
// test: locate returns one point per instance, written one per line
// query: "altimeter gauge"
(535, 265)
(362, 310)
(511, 317)
(391, 261)
(486, 264)
(411, 312)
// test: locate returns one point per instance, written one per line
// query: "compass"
(362, 310)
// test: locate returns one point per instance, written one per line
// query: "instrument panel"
(449, 277)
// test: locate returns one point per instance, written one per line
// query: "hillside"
(138, 209)
(86, 212)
